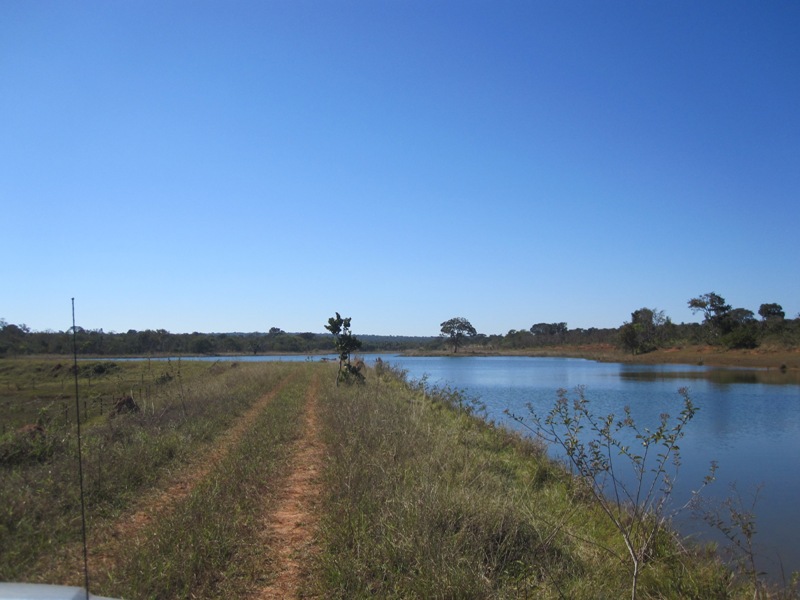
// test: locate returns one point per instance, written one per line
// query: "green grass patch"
(124, 455)
(212, 545)
(421, 499)
(424, 500)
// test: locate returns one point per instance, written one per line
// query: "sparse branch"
(591, 443)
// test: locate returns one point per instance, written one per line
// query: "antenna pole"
(80, 454)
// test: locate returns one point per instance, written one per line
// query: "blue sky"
(234, 166)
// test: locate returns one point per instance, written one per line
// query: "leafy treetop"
(346, 343)
(457, 328)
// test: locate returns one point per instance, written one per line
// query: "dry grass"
(426, 501)
(765, 357)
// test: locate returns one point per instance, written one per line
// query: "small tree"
(599, 448)
(737, 522)
(771, 311)
(346, 343)
(456, 328)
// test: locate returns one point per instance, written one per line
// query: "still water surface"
(750, 428)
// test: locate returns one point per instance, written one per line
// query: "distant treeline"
(20, 340)
(722, 325)
(648, 329)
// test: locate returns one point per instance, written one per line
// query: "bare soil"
(292, 526)
(708, 355)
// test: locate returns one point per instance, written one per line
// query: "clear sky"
(236, 166)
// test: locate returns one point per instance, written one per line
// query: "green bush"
(27, 445)
(743, 337)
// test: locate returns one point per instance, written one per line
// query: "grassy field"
(417, 497)
(427, 501)
(125, 455)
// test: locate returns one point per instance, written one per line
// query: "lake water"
(749, 427)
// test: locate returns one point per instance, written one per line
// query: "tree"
(742, 330)
(715, 312)
(599, 449)
(771, 312)
(346, 343)
(202, 344)
(712, 306)
(548, 328)
(518, 339)
(741, 316)
(549, 332)
(457, 328)
(645, 331)
(773, 319)
(13, 338)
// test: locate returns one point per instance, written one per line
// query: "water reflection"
(717, 376)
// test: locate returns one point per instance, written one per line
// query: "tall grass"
(213, 544)
(421, 499)
(427, 501)
(123, 456)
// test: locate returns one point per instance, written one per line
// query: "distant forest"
(18, 340)
(647, 330)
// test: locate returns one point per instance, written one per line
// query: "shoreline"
(776, 359)
(761, 359)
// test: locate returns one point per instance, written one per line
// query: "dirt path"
(292, 526)
(106, 543)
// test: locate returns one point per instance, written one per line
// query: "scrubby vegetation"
(425, 500)
(421, 496)
(212, 544)
(125, 453)
(20, 340)
(649, 329)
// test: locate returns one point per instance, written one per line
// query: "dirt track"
(292, 526)
(106, 544)
(289, 526)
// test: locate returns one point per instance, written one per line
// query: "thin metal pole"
(80, 453)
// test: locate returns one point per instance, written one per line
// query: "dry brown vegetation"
(759, 358)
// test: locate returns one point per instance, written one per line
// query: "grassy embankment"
(426, 501)
(420, 498)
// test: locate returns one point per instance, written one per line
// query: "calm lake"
(748, 422)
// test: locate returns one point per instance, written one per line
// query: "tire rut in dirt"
(107, 545)
(291, 527)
